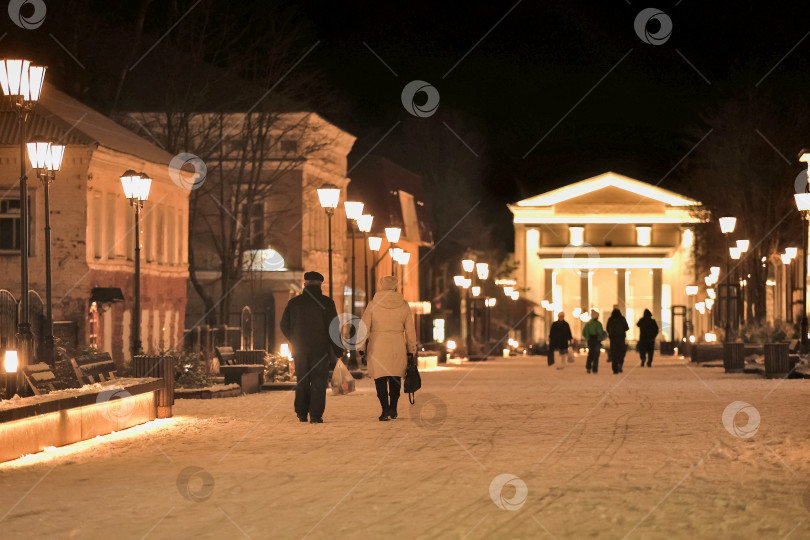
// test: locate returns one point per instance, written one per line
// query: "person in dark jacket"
(646, 341)
(617, 328)
(305, 323)
(559, 338)
(593, 334)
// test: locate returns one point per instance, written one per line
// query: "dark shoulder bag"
(413, 381)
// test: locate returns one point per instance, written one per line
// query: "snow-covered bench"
(42, 380)
(93, 368)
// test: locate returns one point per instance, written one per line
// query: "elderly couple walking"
(389, 344)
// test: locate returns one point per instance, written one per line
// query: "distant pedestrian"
(305, 323)
(593, 334)
(646, 341)
(559, 339)
(617, 328)
(390, 343)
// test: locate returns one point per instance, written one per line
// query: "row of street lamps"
(329, 198)
(473, 282)
(22, 84)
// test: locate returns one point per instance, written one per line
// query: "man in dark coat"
(305, 323)
(646, 342)
(617, 328)
(559, 338)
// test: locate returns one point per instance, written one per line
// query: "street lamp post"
(392, 234)
(402, 260)
(465, 283)
(374, 244)
(364, 224)
(803, 204)
(743, 246)
(353, 212)
(46, 159)
(329, 196)
(136, 189)
(22, 83)
(727, 225)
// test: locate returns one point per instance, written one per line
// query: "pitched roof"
(377, 182)
(61, 118)
(604, 180)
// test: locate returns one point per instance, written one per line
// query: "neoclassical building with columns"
(604, 242)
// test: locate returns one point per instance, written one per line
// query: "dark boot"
(381, 383)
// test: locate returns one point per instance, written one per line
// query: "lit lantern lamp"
(364, 225)
(46, 159)
(329, 197)
(354, 210)
(136, 189)
(22, 83)
(10, 366)
(392, 234)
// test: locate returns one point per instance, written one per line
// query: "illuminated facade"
(604, 242)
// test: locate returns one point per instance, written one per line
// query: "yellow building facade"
(604, 242)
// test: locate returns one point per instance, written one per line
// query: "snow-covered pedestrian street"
(642, 454)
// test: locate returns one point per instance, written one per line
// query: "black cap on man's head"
(313, 276)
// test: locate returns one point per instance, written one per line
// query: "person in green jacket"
(593, 334)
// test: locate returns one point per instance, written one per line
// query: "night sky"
(540, 93)
(530, 71)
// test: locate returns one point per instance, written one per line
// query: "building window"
(576, 236)
(288, 146)
(160, 236)
(256, 226)
(643, 236)
(10, 224)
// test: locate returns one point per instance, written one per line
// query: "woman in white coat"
(390, 344)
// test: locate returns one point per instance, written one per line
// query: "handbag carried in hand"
(413, 381)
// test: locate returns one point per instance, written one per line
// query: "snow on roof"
(68, 121)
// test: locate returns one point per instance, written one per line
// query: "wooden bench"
(225, 355)
(93, 368)
(40, 378)
(255, 358)
(245, 368)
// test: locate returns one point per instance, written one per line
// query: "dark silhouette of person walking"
(646, 341)
(559, 338)
(305, 323)
(617, 328)
(593, 334)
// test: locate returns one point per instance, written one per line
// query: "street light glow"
(393, 234)
(353, 209)
(364, 222)
(727, 224)
(374, 243)
(329, 197)
(468, 265)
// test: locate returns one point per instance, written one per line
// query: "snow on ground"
(643, 454)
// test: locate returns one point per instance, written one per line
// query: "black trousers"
(310, 391)
(388, 392)
(592, 363)
(646, 350)
(617, 350)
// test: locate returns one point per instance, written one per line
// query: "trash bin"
(777, 360)
(158, 367)
(734, 357)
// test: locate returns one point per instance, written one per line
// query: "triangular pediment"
(609, 189)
